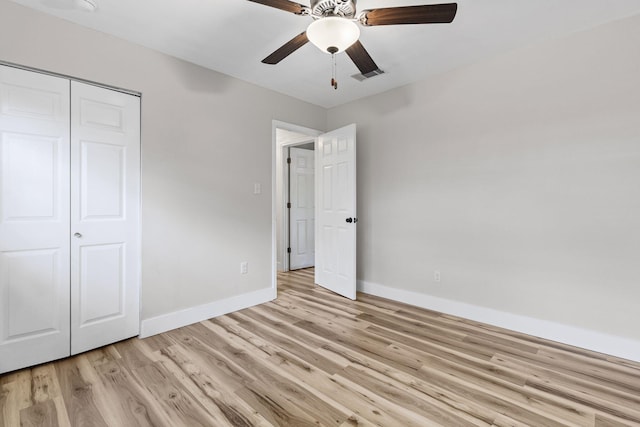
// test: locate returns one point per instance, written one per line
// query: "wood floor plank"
(14, 397)
(596, 404)
(133, 354)
(561, 379)
(429, 351)
(327, 302)
(5, 406)
(61, 410)
(41, 414)
(407, 398)
(273, 397)
(44, 384)
(226, 370)
(595, 368)
(512, 405)
(102, 356)
(608, 421)
(365, 408)
(412, 326)
(288, 388)
(603, 378)
(78, 394)
(126, 400)
(157, 342)
(499, 387)
(357, 421)
(451, 400)
(361, 341)
(417, 333)
(399, 414)
(313, 358)
(179, 407)
(236, 412)
(285, 342)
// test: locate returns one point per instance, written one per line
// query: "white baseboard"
(591, 340)
(178, 319)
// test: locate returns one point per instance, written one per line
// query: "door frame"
(278, 173)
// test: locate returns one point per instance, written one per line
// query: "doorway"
(285, 136)
(335, 200)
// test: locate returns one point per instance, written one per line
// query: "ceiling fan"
(334, 28)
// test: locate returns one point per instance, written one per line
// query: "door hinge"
(288, 159)
(289, 205)
(288, 250)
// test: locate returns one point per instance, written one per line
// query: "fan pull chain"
(334, 82)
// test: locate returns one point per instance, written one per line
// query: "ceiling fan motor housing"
(344, 8)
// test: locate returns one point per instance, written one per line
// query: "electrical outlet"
(244, 267)
(436, 276)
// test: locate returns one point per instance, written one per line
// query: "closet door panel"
(102, 284)
(103, 178)
(105, 211)
(34, 218)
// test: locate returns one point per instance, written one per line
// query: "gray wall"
(518, 178)
(206, 138)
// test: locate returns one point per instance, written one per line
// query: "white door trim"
(277, 152)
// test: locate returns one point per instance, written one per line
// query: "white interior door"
(34, 218)
(302, 212)
(105, 215)
(336, 211)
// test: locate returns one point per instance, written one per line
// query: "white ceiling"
(233, 36)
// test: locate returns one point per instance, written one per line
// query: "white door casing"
(34, 218)
(336, 211)
(302, 212)
(105, 216)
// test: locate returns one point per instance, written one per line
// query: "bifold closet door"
(105, 212)
(34, 218)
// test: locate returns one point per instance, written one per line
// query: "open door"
(336, 211)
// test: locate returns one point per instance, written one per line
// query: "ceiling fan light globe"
(333, 34)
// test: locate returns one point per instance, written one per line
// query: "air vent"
(363, 77)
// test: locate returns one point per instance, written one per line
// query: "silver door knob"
(77, 235)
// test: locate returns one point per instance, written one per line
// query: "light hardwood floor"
(311, 358)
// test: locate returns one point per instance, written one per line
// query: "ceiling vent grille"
(363, 77)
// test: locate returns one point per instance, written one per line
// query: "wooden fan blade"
(361, 58)
(425, 14)
(287, 49)
(285, 5)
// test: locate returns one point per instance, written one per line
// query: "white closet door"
(34, 218)
(105, 216)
